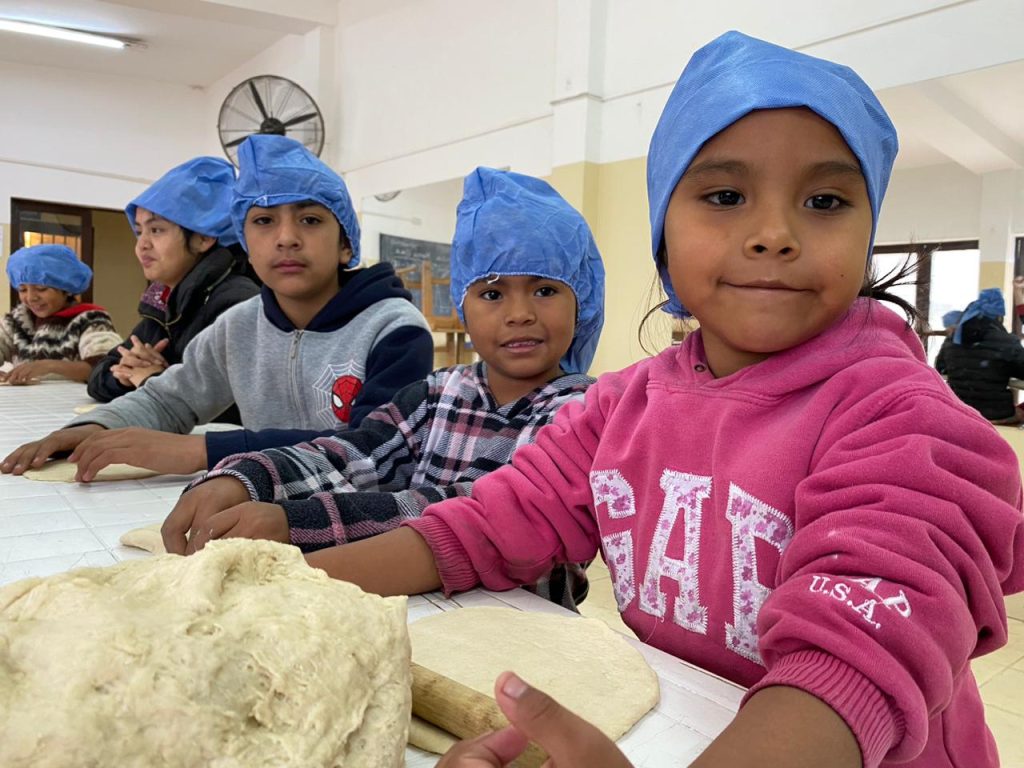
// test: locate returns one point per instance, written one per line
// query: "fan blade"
(236, 142)
(300, 119)
(258, 100)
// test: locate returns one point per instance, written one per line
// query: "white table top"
(47, 528)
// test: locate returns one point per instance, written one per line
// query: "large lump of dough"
(238, 657)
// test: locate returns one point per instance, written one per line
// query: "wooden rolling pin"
(462, 711)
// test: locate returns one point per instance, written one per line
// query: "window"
(947, 279)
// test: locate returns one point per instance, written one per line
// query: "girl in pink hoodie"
(792, 498)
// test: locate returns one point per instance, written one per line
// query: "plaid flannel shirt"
(428, 444)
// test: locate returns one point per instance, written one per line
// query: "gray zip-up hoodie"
(365, 345)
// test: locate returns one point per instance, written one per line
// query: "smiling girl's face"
(767, 235)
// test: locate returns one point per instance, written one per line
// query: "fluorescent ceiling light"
(60, 33)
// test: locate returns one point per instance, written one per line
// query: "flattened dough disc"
(61, 471)
(583, 663)
(148, 538)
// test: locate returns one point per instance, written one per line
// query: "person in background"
(319, 348)
(528, 283)
(49, 332)
(792, 498)
(189, 252)
(950, 320)
(981, 357)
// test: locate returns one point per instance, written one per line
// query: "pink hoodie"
(831, 519)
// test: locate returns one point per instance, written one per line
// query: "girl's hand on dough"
(568, 740)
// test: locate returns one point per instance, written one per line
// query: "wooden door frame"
(20, 204)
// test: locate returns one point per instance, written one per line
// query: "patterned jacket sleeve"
(6, 340)
(327, 519)
(379, 456)
(97, 337)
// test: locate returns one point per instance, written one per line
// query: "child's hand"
(143, 355)
(162, 452)
(140, 362)
(26, 373)
(32, 455)
(569, 741)
(137, 376)
(249, 520)
(191, 514)
(123, 374)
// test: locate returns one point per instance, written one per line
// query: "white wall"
(931, 204)
(444, 85)
(435, 87)
(103, 124)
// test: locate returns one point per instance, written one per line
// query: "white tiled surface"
(50, 527)
(47, 528)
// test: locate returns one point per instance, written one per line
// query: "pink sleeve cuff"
(854, 698)
(453, 563)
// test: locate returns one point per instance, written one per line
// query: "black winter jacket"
(217, 282)
(979, 368)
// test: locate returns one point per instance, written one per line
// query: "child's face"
(161, 248)
(521, 326)
(296, 250)
(767, 235)
(42, 300)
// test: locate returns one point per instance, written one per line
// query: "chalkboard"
(406, 252)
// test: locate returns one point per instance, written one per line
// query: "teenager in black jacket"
(190, 254)
(981, 358)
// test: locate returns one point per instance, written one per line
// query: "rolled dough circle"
(584, 664)
(61, 471)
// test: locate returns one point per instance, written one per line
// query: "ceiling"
(975, 119)
(188, 42)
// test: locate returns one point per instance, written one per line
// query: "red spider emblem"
(343, 394)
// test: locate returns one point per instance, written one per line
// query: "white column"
(579, 72)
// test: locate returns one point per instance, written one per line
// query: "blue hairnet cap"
(734, 75)
(989, 304)
(195, 195)
(275, 170)
(951, 318)
(511, 224)
(54, 265)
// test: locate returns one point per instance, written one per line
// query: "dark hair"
(877, 287)
(188, 242)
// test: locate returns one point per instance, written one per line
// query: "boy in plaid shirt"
(529, 285)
